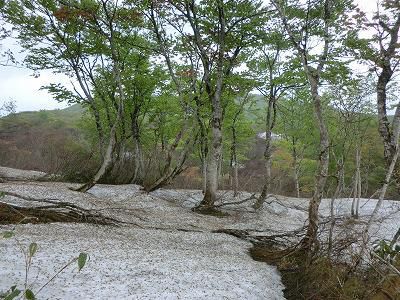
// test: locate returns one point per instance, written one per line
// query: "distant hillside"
(68, 117)
(48, 140)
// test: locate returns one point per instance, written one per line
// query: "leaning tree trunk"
(395, 238)
(108, 156)
(385, 186)
(107, 161)
(169, 172)
(373, 217)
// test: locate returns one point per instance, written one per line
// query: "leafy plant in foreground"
(29, 253)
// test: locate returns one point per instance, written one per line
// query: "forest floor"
(160, 249)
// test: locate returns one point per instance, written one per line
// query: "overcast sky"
(19, 85)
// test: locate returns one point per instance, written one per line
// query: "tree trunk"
(234, 164)
(357, 187)
(214, 158)
(170, 172)
(371, 220)
(387, 130)
(313, 76)
(296, 182)
(138, 162)
(311, 235)
(296, 169)
(203, 141)
(137, 148)
(395, 238)
(236, 179)
(390, 135)
(269, 125)
(221, 172)
(382, 193)
(99, 127)
(107, 161)
(108, 156)
(204, 173)
(336, 194)
(384, 123)
(385, 186)
(359, 182)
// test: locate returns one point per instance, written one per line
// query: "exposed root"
(252, 197)
(210, 211)
(55, 211)
(11, 214)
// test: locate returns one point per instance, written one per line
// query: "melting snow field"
(131, 263)
(165, 252)
(170, 254)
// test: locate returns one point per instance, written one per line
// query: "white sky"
(18, 83)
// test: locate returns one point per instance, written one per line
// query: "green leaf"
(14, 293)
(82, 259)
(8, 234)
(2, 194)
(29, 295)
(32, 249)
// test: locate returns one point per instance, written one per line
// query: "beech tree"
(217, 32)
(183, 81)
(55, 38)
(306, 25)
(276, 71)
(100, 46)
(382, 54)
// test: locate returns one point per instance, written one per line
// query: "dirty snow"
(132, 263)
(16, 174)
(170, 253)
(166, 251)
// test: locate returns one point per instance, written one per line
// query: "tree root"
(209, 211)
(55, 211)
